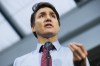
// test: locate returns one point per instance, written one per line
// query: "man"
(45, 23)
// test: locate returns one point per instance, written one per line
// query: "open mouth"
(48, 25)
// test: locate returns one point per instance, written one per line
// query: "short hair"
(38, 6)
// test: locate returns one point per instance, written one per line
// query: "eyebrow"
(52, 13)
(45, 13)
(42, 13)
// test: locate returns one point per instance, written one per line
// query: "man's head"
(45, 20)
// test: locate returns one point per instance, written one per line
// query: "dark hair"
(36, 7)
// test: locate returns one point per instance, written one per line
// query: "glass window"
(8, 36)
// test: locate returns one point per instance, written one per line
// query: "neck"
(42, 40)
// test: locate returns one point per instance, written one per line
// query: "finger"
(75, 57)
(82, 47)
(78, 51)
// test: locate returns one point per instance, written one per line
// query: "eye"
(40, 16)
(53, 16)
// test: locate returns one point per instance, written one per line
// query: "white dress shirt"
(63, 56)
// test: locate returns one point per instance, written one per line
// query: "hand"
(79, 51)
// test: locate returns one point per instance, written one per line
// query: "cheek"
(57, 28)
(56, 25)
(39, 25)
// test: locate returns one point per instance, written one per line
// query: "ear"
(33, 29)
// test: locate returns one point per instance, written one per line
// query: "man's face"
(46, 23)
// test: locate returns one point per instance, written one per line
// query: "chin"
(48, 35)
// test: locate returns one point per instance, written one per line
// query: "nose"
(48, 18)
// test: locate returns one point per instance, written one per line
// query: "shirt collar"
(56, 45)
(38, 47)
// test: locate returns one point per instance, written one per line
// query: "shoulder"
(25, 56)
(20, 59)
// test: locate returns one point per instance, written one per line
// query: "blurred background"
(80, 22)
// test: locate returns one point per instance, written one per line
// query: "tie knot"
(48, 46)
